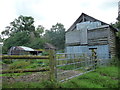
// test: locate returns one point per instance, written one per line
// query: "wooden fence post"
(52, 65)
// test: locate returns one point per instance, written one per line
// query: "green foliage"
(6, 61)
(115, 61)
(15, 74)
(106, 77)
(39, 31)
(23, 85)
(50, 84)
(77, 83)
(67, 67)
(44, 84)
(44, 53)
(1, 39)
(28, 64)
(118, 45)
(19, 64)
(56, 35)
(111, 71)
(37, 43)
(117, 25)
(23, 23)
(37, 65)
(22, 32)
(17, 39)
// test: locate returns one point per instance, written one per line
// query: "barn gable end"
(88, 32)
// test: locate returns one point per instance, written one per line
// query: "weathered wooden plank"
(97, 33)
(25, 70)
(73, 37)
(112, 42)
(23, 57)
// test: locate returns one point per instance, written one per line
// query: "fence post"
(52, 65)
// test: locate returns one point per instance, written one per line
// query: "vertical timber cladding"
(112, 42)
(73, 37)
(76, 37)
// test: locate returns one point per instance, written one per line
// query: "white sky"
(49, 12)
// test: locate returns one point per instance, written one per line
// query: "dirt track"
(39, 76)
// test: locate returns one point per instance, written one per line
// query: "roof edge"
(79, 18)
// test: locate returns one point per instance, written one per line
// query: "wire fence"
(70, 65)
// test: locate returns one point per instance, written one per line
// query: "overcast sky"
(49, 12)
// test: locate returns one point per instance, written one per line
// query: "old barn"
(87, 34)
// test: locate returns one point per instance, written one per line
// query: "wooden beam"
(25, 70)
(23, 57)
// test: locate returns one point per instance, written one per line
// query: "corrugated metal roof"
(26, 48)
(49, 46)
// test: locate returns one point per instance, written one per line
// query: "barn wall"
(112, 42)
(77, 49)
(98, 36)
(73, 37)
(102, 50)
(76, 37)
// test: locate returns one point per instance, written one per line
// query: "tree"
(1, 39)
(18, 39)
(22, 32)
(23, 23)
(39, 31)
(56, 35)
(6, 32)
(38, 43)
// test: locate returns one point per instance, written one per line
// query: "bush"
(45, 53)
(114, 61)
(7, 61)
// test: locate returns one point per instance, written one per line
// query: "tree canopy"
(1, 39)
(22, 32)
(23, 23)
(56, 35)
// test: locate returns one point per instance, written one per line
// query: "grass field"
(105, 77)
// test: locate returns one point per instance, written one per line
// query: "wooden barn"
(22, 50)
(88, 34)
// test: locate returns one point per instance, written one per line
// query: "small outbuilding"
(49, 46)
(22, 50)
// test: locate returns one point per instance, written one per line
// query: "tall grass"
(105, 77)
